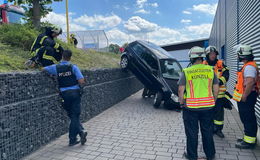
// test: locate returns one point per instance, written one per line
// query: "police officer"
(198, 90)
(245, 94)
(69, 78)
(45, 50)
(222, 73)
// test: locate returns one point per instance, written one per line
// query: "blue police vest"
(66, 78)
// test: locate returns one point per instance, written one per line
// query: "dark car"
(156, 69)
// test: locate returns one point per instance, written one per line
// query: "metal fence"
(92, 39)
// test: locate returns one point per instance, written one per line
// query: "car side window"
(150, 59)
(138, 49)
(146, 55)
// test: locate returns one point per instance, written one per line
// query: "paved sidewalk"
(134, 130)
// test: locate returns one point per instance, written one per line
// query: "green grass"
(12, 59)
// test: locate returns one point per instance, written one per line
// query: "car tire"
(157, 99)
(145, 92)
(124, 63)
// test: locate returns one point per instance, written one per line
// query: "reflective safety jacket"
(45, 40)
(219, 69)
(239, 88)
(199, 83)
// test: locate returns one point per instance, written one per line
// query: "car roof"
(158, 51)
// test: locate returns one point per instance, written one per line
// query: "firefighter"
(245, 93)
(69, 80)
(73, 40)
(198, 90)
(45, 51)
(222, 73)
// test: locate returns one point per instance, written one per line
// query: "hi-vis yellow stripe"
(249, 139)
(237, 96)
(49, 58)
(218, 122)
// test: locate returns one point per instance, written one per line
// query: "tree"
(36, 9)
(125, 45)
(114, 48)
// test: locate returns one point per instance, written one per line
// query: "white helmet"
(56, 29)
(243, 50)
(210, 49)
(196, 52)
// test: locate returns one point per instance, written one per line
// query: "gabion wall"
(30, 107)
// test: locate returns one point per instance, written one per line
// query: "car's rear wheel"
(124, 63)
(157, 99)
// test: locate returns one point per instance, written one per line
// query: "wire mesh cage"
(92, 39)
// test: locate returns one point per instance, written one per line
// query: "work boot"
(83, 137)
(239, 140)
(73, 143)
(244, 145)
(220, 134)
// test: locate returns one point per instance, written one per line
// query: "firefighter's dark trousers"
(219, 114)
(72, 106)
(50, 52)
(192, 121)
(247, 114)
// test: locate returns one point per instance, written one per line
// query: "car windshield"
(14, 17)
(170, 69)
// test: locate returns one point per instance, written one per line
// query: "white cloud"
(201, 30)
(206, 8)
(120, 6)
(185, 21)
(140, 3)
(186, 12)
(157, 12)
(60, 20)
(137, 24)
(119, 37)
(143, 11)
(99, 21)
(155, 5)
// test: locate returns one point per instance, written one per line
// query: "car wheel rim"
(124, 62)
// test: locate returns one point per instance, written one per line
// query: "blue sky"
(159, 21)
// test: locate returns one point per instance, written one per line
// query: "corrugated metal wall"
(249, 31)
(241, 24)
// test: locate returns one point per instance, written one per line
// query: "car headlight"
(175, 98)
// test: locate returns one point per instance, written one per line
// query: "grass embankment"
(13, 53)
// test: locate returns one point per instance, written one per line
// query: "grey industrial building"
(235, 22)
(180, 50)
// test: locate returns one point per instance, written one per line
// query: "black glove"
(61, 50)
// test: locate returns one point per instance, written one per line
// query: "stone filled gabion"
(31, 114)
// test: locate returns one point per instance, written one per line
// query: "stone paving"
(134, 130)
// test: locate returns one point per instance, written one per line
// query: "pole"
(67, 21)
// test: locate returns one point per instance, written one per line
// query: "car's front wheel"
(157, 99)
(124, 63)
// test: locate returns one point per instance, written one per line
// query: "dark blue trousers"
(192, 121)
(247, 114)
(72, 100)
